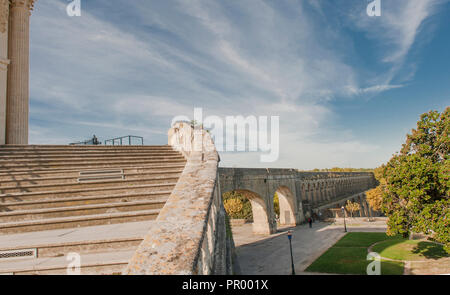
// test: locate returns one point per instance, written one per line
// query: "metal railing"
(92, 141)
(125, 140)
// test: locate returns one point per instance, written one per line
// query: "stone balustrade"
(189, 236)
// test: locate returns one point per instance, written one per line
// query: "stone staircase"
(98, 201)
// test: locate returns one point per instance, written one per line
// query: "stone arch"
(287, 206)
(262, 223)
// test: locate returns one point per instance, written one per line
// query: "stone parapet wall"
(189, 236)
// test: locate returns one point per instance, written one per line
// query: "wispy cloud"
(134, 71)
(372, 89)
(398, 28)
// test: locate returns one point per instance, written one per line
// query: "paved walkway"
(78, 234)
(270, 255)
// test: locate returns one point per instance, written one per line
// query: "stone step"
(91, 239)
(55, 155)
(89, 184)
(85, 158)
(77, 221)
(88, 155)
(81, 152)
(82, 166)
(81, 210)
(81, 161)
(12, 147)
(12, 204)
(107, 263)
(57, 194)
(36, 173)
(73, 178)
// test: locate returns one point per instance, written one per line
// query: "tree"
(352, 207)
(233, 207)
(246, 212)
(375, 196)
(417, 188)
(276, 204)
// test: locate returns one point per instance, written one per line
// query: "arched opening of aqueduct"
(262, 214)
(286, 201)
(260, 211)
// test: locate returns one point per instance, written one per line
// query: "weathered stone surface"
(189, 235)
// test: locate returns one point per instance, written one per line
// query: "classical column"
(17, 102)
(4, 62)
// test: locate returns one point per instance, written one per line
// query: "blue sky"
(347, 87)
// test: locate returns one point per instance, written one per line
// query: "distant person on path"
(310, 221)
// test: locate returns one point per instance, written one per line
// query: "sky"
(346, 87)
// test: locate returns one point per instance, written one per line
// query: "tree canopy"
(375, 196)
(416, 186)
(352, 207)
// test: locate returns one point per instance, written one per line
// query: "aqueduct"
(300, 193)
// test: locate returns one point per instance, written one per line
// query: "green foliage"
(233, 206)
(352, 207)
(417, 189)
(374, 198)
(276, 204)
(246, 211)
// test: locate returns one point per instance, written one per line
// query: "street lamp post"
(343, 213)
(289, 235)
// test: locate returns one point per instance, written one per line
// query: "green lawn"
(363, 239)
(348, 256)
(411, 250)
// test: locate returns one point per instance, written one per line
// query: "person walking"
(310, 222)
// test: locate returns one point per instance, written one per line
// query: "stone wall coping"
(173, 244)
(257, 173)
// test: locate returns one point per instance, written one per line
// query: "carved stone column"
(4, 62)
(17, 104)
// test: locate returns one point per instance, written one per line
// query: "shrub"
(233, 207)
(246, 211)
(276, 204)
